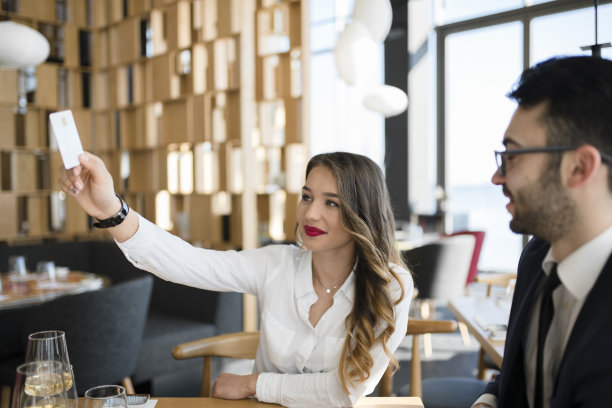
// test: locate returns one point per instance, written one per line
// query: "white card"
(67, 137)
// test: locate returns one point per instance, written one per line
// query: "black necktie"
(547, 312)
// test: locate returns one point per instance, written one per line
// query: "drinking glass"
(51, 345)
(46, 269)
(17, 265)
(40, 384)
(106, 396)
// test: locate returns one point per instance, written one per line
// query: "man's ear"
(582, 164)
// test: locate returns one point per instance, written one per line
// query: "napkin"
(149, 404)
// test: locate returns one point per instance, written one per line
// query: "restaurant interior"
(206, 112)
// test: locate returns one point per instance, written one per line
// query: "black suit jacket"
(585, 373)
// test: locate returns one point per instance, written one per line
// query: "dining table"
(24, 290)
(486, 318)
(365, 402)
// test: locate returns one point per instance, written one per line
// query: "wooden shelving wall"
(197, 107)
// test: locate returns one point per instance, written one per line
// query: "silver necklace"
(327, 290)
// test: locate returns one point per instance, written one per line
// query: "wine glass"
(51, 345)
(40, 384)
(106, 396)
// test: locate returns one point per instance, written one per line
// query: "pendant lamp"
(21, 46)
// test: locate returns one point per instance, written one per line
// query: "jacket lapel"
(596, 301)
(513, 393)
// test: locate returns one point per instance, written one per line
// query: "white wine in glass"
(40, 384)
(44, 384)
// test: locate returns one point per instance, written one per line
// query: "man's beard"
(543, 208)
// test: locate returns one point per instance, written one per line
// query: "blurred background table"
(486, 318)
(30, 289)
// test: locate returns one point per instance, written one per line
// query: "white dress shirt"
(296, 362)
(578, 273)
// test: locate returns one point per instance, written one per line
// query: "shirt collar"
(348, 287)
(579, 271)
(303, 280)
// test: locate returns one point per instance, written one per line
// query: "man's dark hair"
(577, 91)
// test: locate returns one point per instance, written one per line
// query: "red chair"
(479, 239)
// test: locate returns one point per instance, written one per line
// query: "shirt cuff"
(269, 387)
(487, 399)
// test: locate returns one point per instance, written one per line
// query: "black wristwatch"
(116, 219)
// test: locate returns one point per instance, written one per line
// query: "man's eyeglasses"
(501, 157)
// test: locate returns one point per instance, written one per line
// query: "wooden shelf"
(196, 107)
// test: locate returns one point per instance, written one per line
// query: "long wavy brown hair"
(367, 215)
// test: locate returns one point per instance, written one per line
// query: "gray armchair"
(104, 330)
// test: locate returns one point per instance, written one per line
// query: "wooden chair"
(415, 328)
(502, 279)
(242, 345)
(438, 392)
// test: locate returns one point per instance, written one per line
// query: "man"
(557, 173)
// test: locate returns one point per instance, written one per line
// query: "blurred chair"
(103, 329)
(479, 237)
(440, 270)
(239, 345)
(439, 392)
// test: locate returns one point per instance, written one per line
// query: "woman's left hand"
(232, 386)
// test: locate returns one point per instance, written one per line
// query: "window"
(480, 65)
(477, 61)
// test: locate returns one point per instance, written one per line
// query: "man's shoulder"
(534, 252)
(537, 245)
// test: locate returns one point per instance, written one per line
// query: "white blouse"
(297, 363)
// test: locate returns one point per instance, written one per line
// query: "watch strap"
(116, 219)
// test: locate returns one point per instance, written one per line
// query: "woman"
(332, 310)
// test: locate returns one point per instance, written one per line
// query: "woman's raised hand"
(91, 185)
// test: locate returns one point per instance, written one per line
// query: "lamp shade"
(376, 16)
(386, 99)
(355, 54)
(21, 46)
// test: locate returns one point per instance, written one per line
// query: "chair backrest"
(241, 345)
(440, 268)
(479, 237)
(415, 328)
(103, 329)
(502, 279)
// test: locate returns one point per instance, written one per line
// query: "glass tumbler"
(46, 269)
(51, 345)
(106, 396)
(17, 265)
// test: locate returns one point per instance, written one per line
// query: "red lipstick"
(313, 231)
